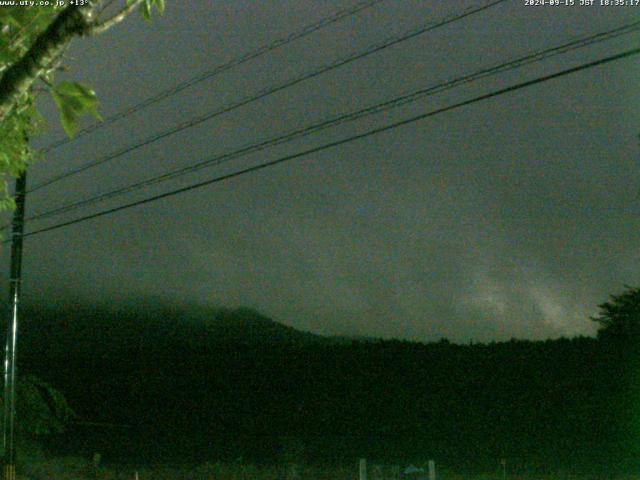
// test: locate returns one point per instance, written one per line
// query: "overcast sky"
(512, 217)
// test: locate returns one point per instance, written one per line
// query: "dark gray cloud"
(515, 216)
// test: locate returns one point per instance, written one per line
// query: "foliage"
(42, 410)
(147, 5)
(197, 386)
(20, 28)
(619, 318)
(73, 100)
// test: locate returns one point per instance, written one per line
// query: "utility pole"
(15, 279)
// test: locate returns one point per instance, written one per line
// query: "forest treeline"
(188, 385)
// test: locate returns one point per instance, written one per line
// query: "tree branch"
(17, 79)
(101, 27)
(50, 45)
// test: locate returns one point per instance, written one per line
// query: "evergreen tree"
(619, 318)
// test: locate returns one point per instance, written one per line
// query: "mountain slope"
(108, 330)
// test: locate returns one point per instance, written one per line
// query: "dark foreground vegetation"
(73, 468)
(186, 386)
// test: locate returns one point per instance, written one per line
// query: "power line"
(264, 93)
(271, 90)
(179, 87)
(526, 59)
(352, 138)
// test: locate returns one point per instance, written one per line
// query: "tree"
(33, 41)
(42, 410)
(619, 318)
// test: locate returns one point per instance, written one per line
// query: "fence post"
(432, 470)
(363, 469)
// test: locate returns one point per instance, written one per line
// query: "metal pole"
(15, 279)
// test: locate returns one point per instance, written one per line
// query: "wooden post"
(363, 469)
(432, 470)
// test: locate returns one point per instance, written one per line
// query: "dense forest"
(188, 385)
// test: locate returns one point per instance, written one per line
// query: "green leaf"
(160, 6)
(145, 9)
(68, 116)
(74, 89)
(69, 120)
(74, 99)
(5, 161)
